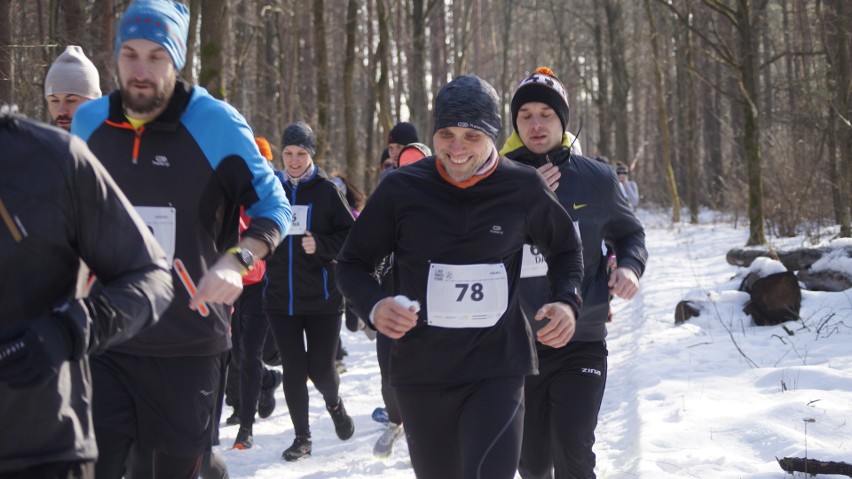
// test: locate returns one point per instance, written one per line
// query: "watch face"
(246, 258)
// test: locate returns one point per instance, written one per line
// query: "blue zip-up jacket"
(188, 172)
(301, 283)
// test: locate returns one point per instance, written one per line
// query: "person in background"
(456, 224)
(187, 162)
(58, 206)
(628, 186)
(249, 326)
(71, 81)
(400, 135)
(303, 304)
(383, 448)
(564, 399)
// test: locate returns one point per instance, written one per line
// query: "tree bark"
(7, 66)
(620, 79)
(354, 161)
(321, 67)
(212, 57)
(663, 119)
(417, 67)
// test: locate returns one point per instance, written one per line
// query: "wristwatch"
(244, 256)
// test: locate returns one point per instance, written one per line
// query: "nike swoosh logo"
(577, 207)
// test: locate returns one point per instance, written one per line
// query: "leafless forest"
(739, 105)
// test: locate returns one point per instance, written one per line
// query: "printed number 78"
(476, 293)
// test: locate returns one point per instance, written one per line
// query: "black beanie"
(542, 86)
(301, 135)
(469, 102)
(403, 133)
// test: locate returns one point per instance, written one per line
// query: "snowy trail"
(675, 264)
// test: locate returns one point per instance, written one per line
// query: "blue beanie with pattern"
(160, 21)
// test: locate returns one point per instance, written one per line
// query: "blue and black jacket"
(301, 283)
(190, 170)
(589, 191)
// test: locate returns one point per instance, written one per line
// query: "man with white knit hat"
(71, 81)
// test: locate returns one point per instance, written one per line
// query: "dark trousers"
(301, 361)
(248, 328)
(54, 470)
(563, 402)
(162, 408)
(471, 431)
(383, 347)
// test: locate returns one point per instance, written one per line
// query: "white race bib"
(300, 220)
(466, 296)
(533, 264)
(162, 221)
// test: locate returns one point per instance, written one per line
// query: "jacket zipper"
(137, 137)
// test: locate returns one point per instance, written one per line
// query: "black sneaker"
(233, 420)
(301, 447)
(344, 426)
(266, 401)
(244, 439)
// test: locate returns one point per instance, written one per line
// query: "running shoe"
(244, 439)
(266, 401)
(301, 447)
(384, 446)
(344, 426)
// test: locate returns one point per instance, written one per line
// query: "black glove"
(32, 352)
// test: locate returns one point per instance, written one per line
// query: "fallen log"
(814, 467)
(774, 299)
(826, 280)
(685, 310)
(793, 260)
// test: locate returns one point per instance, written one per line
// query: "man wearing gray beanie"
(188, 162)
(456, 223)
(71, 81)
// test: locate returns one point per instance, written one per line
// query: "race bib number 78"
(466, 296)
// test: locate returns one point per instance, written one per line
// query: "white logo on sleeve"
(496, 230)
(160, 160)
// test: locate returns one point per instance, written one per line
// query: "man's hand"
(559, 330)
(551, 175)
(309, 243)
(223, 283)
(623, 283)
(32, 352)
(392, 319)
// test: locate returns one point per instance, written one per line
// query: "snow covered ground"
(715, 398)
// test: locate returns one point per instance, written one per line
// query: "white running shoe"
(384, 446)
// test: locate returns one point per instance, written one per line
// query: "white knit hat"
(73, 73)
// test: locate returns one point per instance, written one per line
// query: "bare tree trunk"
(7, 66)
(620, 80)
(385, 121)
(74, 23)
(687, 101)
(662, 119)
(354, 161)
(213, 31)
(747, 46)
(321, 65)
(417, 67)
(102, 51)
(602, 99)
(836, 38)
(188, 71)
